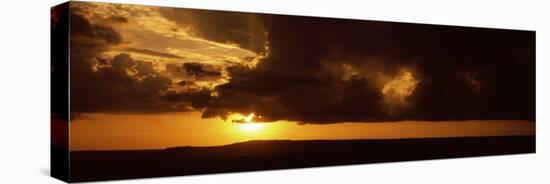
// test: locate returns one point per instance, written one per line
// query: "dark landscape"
(282, 154)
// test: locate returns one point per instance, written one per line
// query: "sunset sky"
(152, 77)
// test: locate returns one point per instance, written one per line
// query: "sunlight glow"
(246, 122)
(248, 119)
(251, 126)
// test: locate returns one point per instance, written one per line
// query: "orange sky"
(110, 131)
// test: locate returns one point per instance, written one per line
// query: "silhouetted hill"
(280, 154)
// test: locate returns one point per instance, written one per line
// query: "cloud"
(309, 70)
(244, 29)
(118, 84)
(339, 70)
(81, 26)
(117, 19)
(201, 70)
(196, 72)
(197, 99)
(153, 53)
(125, 86)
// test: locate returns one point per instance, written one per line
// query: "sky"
(147, 77)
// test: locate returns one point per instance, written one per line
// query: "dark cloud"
(88, 40)
(197, 99)
(185, 83)
(114, 90)
(463, 73)
(81, 26)
(318, 70)
(194, 70)
(201, 70)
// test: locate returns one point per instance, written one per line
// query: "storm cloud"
(309, 70)
(327, 70)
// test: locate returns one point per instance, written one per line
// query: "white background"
(24, 91)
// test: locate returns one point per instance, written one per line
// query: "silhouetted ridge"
(280, 154)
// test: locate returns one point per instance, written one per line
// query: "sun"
(246, 122)
(249, 125)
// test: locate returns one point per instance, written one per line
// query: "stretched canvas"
(144, 91)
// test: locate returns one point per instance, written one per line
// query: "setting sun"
(251, 126)
(246, 123)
